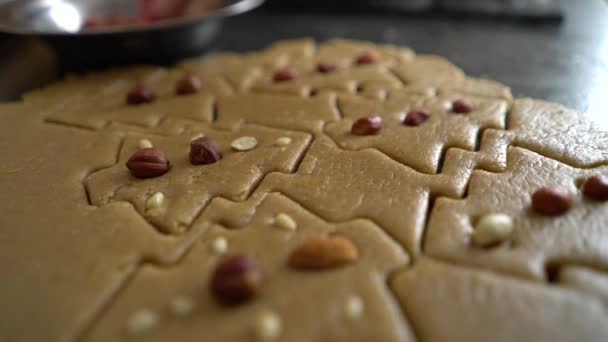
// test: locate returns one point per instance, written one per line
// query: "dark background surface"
(564, 62)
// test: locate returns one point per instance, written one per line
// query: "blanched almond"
(324, 253)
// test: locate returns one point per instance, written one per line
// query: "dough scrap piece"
(282, 290)
(370, 81)
(576, 237)
(347, 50)
(557, 132)
(427, 71)
(62, 258)
(148, 115)
(342, 185)
(111, 81)
(420, 147)
(585, 279)
(241, 71)
(238, 70)
(188, 188)
(290, 112)
(98, 100)
(548, 129)
(447, 303)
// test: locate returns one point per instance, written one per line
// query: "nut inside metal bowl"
(97, 33)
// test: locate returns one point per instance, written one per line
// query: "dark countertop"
(565, 63)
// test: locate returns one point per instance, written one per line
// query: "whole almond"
(329, 252)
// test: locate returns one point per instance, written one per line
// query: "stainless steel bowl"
(63, 24)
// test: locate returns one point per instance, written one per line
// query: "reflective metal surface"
(55, 17)
(89, 34)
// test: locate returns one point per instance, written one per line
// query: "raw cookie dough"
(286, 292)
(557, 132)
(575, 237)
(449, 303)
(91, 253)
(62, 257)
(241, 71)
(372, 80)
(187, 188)
(96, 101)
(420, 147)
(585, 279)
(341, 185)
(437, 73)
(291, 112)
(369, 81)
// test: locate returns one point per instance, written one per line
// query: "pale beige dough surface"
(584, 278)
(577, 237)
(187, 188)
(423, 146)
(558, 133)
(437, 73)
(289, 112)
(286, 292)
(96, 101)
(369, 80)
(242, 71)
(342, 185)
(449, 303)
(83, 254)
(62, 259)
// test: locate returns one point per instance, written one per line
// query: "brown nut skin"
(286, 74)
(323, 253)
(140, 94)
(462, 107)
(552, 200)
(368, 57)
(204, 151)
(415, 118)
(326, 68)
(236, 280)
(148, 163)
(188, 85)
(596, 188)
(370, 125)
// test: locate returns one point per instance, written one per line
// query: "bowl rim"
(234, 7)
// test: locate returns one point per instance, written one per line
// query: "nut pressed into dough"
(244, 143)
(492, 229)
(284, 221)
(142, 321)
(268, 326)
